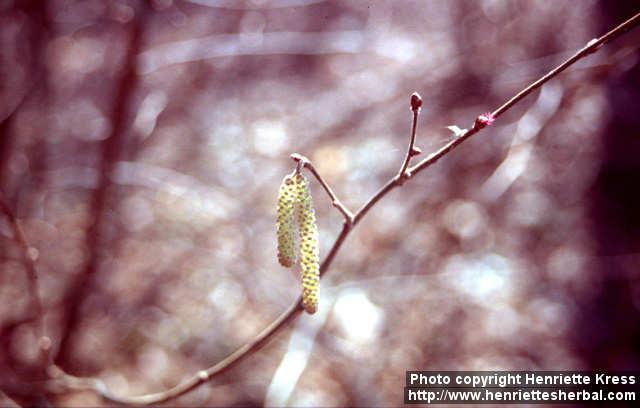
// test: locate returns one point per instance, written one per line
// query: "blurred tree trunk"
(83, 284)
(609, 327)
(21, 382)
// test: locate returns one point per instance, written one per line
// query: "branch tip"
(300, 158)
(301, 162)
(416, 101)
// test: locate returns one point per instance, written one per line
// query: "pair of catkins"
(296, 223)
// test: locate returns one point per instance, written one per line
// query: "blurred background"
(142, 144)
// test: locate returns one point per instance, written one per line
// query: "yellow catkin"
(287, 195)
(309, 251)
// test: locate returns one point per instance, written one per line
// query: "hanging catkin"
(309, 251)
(287, 195)
(295, 206)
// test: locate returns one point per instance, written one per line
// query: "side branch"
(416, 104)
(305, 162)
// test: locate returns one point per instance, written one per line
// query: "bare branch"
(77, 383)
(305, 162)
(416, 105)
(591, 47)
(350, 221)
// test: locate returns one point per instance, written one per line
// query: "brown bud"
(416, 101)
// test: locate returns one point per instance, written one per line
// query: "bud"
(415, 150)
(284, 223)
(486, 119)
(416, 101)
(309, 245)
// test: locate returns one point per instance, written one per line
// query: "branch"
(71, 382)
(29, 256)
(405, 174)
(591, 47)
(305, 162)
(416, 104)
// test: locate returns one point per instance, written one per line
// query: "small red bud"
(485, 119)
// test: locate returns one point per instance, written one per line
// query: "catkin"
(309, 251)
(287, 195)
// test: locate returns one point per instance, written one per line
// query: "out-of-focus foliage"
(488, 260)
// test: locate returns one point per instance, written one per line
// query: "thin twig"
(591, 47)
(305, 162)
(416, 104)
(295, 308)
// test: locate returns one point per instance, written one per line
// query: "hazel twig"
(412, 150)
(305, 162)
